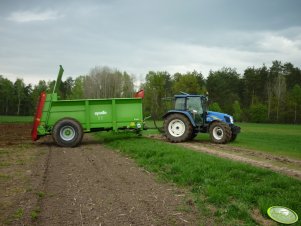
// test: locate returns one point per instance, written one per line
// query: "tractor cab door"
(195, 107)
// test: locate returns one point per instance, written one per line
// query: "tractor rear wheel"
(193, 135)
(220, 132)
(177, 128)
(67, 133)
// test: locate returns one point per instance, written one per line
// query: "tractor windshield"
(194, 104)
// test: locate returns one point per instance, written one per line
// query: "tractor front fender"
(183, 113)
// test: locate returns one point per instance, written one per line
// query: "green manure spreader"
(68, 120)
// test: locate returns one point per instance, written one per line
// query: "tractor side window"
(194, 103)
(180, 104)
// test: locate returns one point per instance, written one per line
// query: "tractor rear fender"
(183, 113)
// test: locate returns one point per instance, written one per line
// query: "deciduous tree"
(19, 88)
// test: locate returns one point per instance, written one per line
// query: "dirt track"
(92, 185)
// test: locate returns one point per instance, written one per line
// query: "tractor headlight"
(138, 125)
(231, 120)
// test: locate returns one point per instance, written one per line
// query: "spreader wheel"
(67, 133)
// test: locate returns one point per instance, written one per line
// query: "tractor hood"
(212, 116)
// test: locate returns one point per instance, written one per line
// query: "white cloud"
(182, 57)
(276, 43)
(29, 16)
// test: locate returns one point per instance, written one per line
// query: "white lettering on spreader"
(100, 113)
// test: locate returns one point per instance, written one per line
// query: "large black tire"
(220, 132)
(233, 137)
(193, 135)
(67, 133)
(177, 128)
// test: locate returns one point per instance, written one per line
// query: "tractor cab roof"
(188, 95)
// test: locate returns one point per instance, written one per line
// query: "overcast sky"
(141, 35)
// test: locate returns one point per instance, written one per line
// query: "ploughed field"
(42, 184)
(14, 134)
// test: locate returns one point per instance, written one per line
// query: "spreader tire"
(220, 132)
(67, 133)
(177, 128)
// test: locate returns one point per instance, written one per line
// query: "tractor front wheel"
(177, 128)
(233, 137)
(67, 133)
(220, 132)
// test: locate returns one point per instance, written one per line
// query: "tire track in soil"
(280, 164)
(91, 185)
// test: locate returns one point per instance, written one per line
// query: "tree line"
(258, 95)
(18, 98)
(261, 94)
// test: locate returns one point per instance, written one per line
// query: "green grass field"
(226, 190)
(273, 138)
(15, 119)
(276, 139)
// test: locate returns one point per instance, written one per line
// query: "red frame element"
(139, 94)
(37, 118)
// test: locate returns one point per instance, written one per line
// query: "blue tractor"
(190, 117)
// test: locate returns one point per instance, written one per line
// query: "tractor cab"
(196, 105)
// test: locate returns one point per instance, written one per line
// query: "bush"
(258, 113)
(237, 111)
(215, 107)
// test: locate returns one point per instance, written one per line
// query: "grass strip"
(234, 189)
